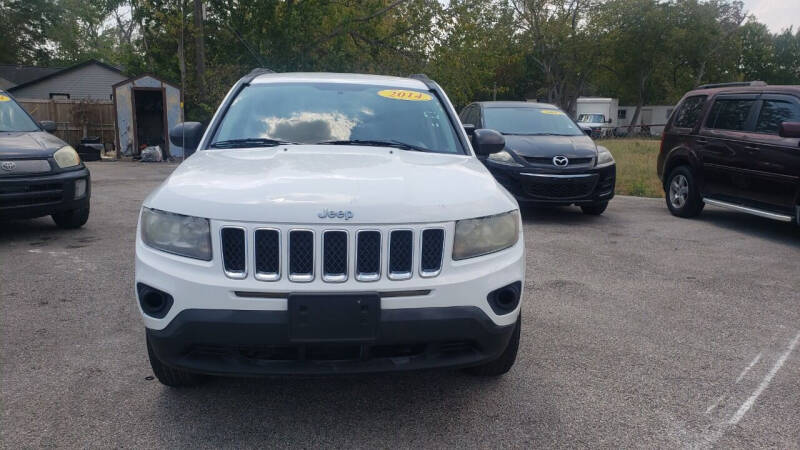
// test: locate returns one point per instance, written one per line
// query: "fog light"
(505, 299)
(80, 188)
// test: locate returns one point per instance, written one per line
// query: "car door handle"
(751, 148)
(702, 141)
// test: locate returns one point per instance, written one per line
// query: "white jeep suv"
(330, 223)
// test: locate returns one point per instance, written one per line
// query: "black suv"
(40, 174)
(548, 159)
(735, 145)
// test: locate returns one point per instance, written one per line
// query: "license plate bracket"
(334, 317)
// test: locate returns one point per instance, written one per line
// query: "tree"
(560, 42)
(24, 29)
(637, 32)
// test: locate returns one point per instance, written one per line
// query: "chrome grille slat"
(301, 255)
(401, 254)
(431, 252)
(368, 255)
(267, 253)
(334, 256)
(234, 252)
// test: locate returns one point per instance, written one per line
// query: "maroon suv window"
(775, 112)
(729, 114)
(689, 113)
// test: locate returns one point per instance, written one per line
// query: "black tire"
(169, 376)
(506, 360)
(72, 219)
(594, 209)
(690, 204)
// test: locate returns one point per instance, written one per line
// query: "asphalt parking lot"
(639, 330)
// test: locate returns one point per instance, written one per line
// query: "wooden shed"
(146, 108)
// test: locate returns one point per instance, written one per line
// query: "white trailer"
(653, 117)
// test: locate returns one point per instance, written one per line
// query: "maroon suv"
(735, 145)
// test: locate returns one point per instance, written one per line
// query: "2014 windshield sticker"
(552, 112)
(3, 98)
(401, 94)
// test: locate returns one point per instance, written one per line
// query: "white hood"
(294, 184)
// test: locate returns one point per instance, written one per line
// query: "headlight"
(174, 233)
(503, 157)
(604, 156)
(475, 237)
(66, 156)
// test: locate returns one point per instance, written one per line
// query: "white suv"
(330, 223)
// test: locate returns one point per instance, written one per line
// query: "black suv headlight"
(604, 156)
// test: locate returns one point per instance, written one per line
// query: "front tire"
(594, 209)
(72, 219)
(682, 194)
(506, 360)
(169, 376)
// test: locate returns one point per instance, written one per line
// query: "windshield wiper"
(537, 134)
(249, 142)
(378, 143)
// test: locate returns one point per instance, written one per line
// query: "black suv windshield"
(13, 118)
(337, 114)
(533, 121)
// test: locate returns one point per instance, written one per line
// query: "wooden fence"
(75, 118)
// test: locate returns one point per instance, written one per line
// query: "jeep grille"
(371, 250)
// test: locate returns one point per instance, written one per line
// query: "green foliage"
(641, 51)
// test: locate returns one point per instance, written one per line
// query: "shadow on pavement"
(560, 215)
(313, 412)
(772, 230)
(41, 229)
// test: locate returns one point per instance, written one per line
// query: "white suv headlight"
(604, 156)
(66, 156)
(476, 237)
(174, 233)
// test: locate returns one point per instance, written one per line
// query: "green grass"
(636, 166)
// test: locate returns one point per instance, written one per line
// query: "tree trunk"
(639, 103)
(200, 47)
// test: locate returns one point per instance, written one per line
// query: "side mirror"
(586, 130)
(186, 135)
(469, 128)
(488, 141)
(608, 121)
(789, 130)
(48, 125)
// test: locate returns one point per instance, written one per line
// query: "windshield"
(591, 118)
(13, 118)
(337, 114)
(530, 121)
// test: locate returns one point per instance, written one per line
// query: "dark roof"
(768, 89)
(68, 69)
(511, 104)
(19, 74)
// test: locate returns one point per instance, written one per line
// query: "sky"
(775, 14)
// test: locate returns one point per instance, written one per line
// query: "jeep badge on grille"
(331, 214)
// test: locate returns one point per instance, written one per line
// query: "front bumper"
(252, 343)
(535, 186)
(25, 197)
(220, 325)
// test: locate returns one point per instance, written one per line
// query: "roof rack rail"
(254, 73)
(731, 84)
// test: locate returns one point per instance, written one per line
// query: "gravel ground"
(639, 330)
